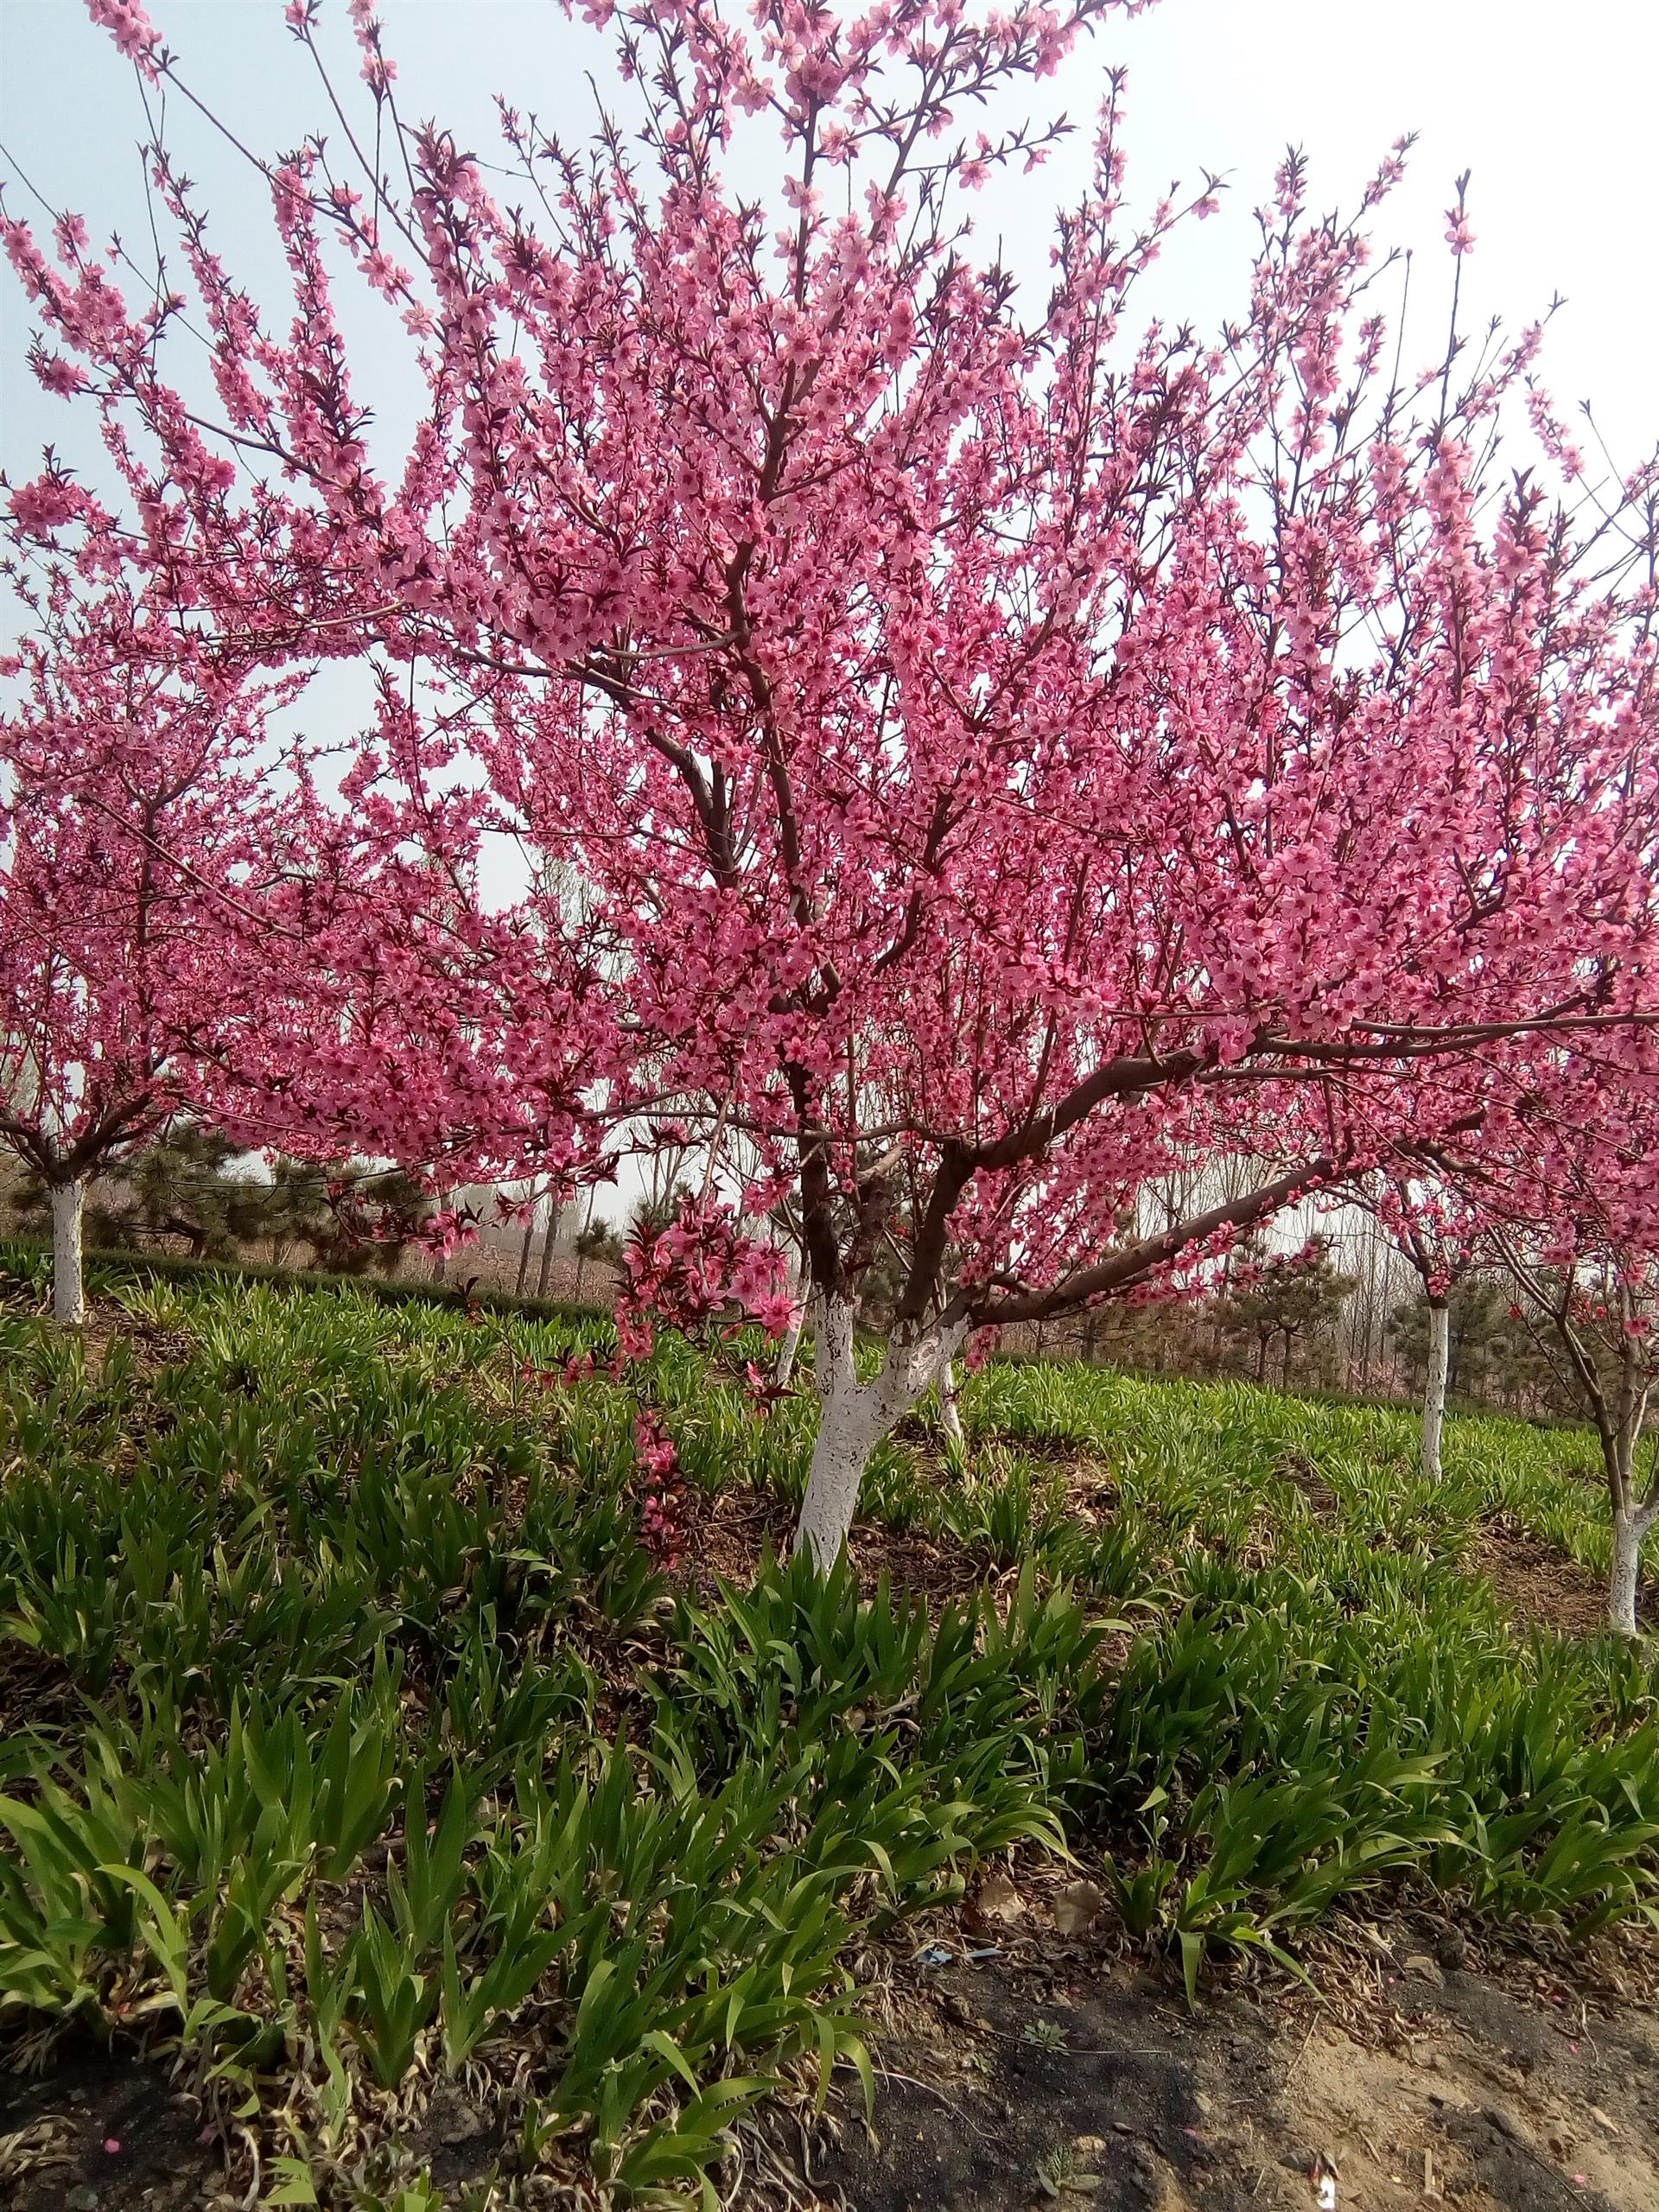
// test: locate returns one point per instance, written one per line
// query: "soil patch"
(100, 2132)
(151, 1348)
(1089, 2084)
(1538, 1587)
(37, 1691)
(1019, 2069)
(1091, 1487)
(731, 1530)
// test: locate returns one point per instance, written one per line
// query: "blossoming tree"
(135, 830)
(1597, 1304)
(188, 925)
(1561, 1185)
(1433, 1224)
(1005, 756)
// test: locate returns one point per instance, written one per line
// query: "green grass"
(353, 1739)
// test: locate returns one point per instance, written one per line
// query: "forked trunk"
(1439, 1349)
(852, 1418)
(69, 1286)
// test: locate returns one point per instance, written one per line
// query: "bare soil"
(102, 2132)
(1296, 1468)
(731, 1530)
(1539, 1586)
(1090, 2085)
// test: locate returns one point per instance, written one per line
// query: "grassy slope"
(410, 1754)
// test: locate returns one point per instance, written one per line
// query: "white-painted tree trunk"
(791, 1344)
(853, 1417)
(1439, 1361)
(949, 1411)
(69, 1282)
(1628, 1529)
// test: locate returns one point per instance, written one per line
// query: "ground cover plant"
(362, 1758)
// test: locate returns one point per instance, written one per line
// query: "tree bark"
(1439, 1348)
(524, 1257)
(1629, 1528)
(548, 1242)
(791, 1344)
(581, 1257)
(949, 1411)
(68, 1284)
(853, 1417)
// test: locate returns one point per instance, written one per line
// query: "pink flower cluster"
(700, 1275)
(132, 31)
(662, 1519)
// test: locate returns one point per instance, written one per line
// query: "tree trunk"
(68, 1286)
(1629, 1528)
(1439, 1346)
(581, 1257)
(949, 1411)
(852, 1418)
(524, 1257)
(548, 1242)
(791, 1344)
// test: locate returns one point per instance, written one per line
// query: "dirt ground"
(1538, 1587)
(98, 2131)
(1102, 2093)
(731, 1530)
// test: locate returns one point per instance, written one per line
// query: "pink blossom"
(132, 31)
